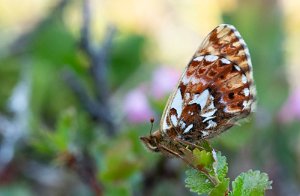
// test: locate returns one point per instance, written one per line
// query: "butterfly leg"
(189, 161)
(187, 143)
(176, 154)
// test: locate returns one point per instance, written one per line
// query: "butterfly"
(215, 90)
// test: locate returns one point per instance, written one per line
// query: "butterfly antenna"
(151, 121)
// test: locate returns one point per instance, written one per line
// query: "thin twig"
(161, 171)
(98, 57)
(85, 30)
(98, 69)
(213, 179)
(88, 104)
(98, 107)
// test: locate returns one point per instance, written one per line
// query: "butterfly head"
(152, 141)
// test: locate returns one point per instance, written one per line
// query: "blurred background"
(79, 81)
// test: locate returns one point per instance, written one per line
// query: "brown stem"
(187, 159)
(84, 166)
(213, 179)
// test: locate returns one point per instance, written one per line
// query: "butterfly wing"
(215, 90)
(226, 41)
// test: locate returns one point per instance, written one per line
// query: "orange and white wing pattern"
(215, 90)
(227, 42)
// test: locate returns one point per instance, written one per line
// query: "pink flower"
(291, 109)
(164, 81)
(136, 106)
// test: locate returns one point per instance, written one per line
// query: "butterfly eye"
(153, 147)
(151, 143)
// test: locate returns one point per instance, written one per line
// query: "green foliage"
(251, 183)
(220, 188)
(221, 166)
(215, 183)
(20, 189)
(51, 143)
(127, 55)
(214, 167)
(119, 163)
(46, 43)
(198, 182)
(116, 190)
(203, 158)
(9, 72)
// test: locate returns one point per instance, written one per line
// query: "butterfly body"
(215, 90)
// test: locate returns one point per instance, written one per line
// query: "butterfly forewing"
(226, 41)
(215, 90)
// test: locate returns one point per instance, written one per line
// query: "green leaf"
(217, 166)
(251, 183)
(61, 135)
(203, 158)
(220, 189)
(126, 57)
(197, 182)
(220, 166)
(51, 143)
(46, 43)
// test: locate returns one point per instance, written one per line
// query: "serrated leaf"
(220, 189)
(203, 158)
(220, 165)
(197, 182)
(251, 183)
